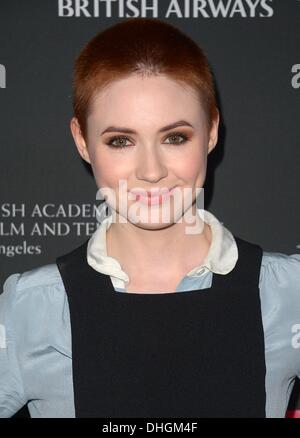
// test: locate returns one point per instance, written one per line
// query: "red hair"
(144, 46)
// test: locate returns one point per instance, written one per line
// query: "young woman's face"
(153, 155)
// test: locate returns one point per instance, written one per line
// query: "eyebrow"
(131, 131)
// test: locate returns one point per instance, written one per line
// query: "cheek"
(191, 165)
(107, 170)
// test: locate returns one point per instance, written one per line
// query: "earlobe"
(214, 133)
(211, 146)
(79, 140)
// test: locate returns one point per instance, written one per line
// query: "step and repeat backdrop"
(48, 195)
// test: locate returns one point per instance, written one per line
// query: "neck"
(171, 247)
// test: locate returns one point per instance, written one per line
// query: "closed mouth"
(152, 194)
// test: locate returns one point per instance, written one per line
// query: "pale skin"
(150, 159)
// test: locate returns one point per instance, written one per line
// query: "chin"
(152, 226)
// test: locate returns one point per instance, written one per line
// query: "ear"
(213, 135)
(79, 140)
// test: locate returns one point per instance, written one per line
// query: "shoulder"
(282, 272)
(42, 280)
(279, 260)
(30, 298)
(41, 276)
(280, 295)
(280, 281)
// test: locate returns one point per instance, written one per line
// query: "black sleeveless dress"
(185, 354)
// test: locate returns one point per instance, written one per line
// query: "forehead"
(145, 100)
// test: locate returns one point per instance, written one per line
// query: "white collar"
(221, 257)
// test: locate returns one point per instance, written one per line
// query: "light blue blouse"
(35, 337)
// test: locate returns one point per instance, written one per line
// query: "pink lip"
(153, 198)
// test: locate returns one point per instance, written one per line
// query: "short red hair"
(144, 46)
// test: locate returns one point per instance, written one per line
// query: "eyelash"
(174, 134)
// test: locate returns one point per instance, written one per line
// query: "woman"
(163, 312)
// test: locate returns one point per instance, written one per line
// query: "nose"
(150, 165)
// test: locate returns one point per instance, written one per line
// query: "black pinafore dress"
(186, 354)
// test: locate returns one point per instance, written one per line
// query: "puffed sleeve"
(12, 396)
(280, 284)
